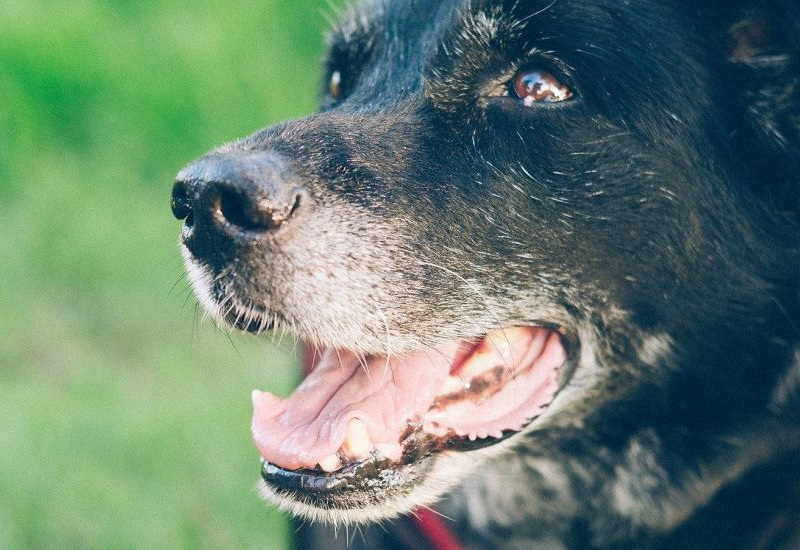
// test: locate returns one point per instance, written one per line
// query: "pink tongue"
(311, 424)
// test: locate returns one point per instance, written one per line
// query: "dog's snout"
(231, 193)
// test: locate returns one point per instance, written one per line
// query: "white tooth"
(330, 463)
(357, 443)
(453, 384)
(494, 350)
(501, 340)
(479, 362)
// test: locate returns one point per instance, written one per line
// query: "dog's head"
(508, 218)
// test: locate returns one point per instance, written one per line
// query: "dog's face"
(508, 219)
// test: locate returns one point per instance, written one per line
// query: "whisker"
(181, 277)
(363, 362)
(478, 293)
(441, 515)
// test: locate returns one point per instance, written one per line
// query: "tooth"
(453, 384)
(357, 442)
(330, 463)
(493, 339)
(496, 349)
(500, 340)
(481, 361)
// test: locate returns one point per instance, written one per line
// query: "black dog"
(546, 252)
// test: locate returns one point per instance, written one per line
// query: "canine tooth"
(483, 359)
(480, 361)
(494, 350)
(330, 463)
(357, 443)
(453, 384)
(499, 341)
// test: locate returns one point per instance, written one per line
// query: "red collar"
(435, 530)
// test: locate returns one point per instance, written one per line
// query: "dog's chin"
(367, 436)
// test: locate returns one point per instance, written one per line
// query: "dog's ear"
(763, 63)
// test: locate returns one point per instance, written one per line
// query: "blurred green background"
(124, 420)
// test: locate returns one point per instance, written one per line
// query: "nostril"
(225, 195)
(258, 211)
(235, 209)
(181, 202)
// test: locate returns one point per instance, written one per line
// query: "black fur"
(653, 217)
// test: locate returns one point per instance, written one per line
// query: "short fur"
(653, 218)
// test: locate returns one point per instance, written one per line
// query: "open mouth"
(356, 420)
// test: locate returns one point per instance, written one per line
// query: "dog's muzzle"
(226, 198)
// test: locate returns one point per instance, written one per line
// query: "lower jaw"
(419, 449)
(365, 477)
(362, 493)
(376, 490)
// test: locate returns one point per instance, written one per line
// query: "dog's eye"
(539, 86)
(335, 85)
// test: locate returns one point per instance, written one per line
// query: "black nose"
(231, 193)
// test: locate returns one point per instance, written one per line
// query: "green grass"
(124, 421)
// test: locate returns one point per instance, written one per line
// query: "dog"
(544, 254)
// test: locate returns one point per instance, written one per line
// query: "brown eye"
(335, 85)
(539, 86)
